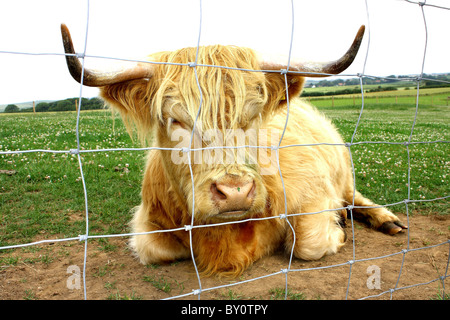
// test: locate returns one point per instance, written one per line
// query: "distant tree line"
(60, 105)
(389, 79)
(69, 105)
(383, 84)
(10, 108)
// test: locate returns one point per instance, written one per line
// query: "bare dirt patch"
(41, 272)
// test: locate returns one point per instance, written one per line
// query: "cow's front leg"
(157, 247)
(316, 234)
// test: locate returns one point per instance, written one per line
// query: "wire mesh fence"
(351, 145)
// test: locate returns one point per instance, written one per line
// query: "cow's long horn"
(316, 69)
(94, 78)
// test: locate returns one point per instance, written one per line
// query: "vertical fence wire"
(80, 162)
(194, 66)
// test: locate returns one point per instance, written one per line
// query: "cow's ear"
(276, 86)
(132, 100)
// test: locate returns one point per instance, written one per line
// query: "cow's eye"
(175, 122)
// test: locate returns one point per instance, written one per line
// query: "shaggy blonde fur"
(316, 178)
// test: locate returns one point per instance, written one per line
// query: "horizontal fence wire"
(188, 228)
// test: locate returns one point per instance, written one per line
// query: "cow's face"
(209, 129)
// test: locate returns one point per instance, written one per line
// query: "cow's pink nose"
(233, 196)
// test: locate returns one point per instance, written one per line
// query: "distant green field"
(427, 98)
(44, 196)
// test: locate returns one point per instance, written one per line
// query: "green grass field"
(404, 96)
(44, 196)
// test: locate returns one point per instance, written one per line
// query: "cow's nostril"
(217, 194)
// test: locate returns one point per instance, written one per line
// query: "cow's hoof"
(391, 228)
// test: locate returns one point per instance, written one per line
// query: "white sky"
(131, 29)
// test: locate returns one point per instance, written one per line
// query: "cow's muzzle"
(233, 197)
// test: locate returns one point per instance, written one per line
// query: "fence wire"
(188, 228)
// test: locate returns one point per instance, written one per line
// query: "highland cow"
(291, 191)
